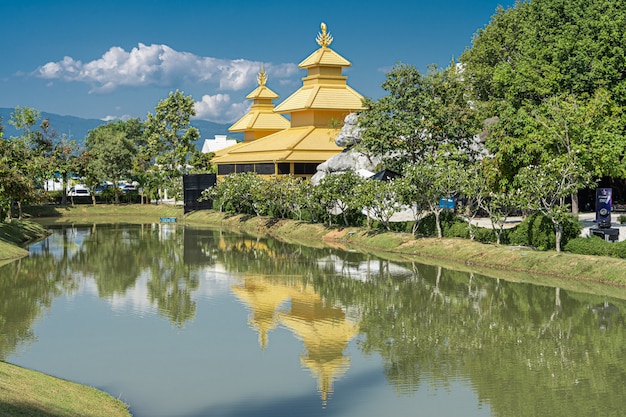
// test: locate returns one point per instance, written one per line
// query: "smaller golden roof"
(324, 56)
(261, 116)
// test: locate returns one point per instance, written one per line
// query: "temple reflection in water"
(325, 330)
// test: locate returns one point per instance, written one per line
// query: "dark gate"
(193, 185)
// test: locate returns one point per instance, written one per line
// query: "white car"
(78, 192)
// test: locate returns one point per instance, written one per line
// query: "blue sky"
(112, 59)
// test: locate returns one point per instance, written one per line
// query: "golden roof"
(261, 115)
(300, 144)
(324, 55)
(325, 87)
(322, 97)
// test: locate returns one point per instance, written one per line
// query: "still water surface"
(184, 322)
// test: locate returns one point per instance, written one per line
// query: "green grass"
(28, 393)
(15, 234)
(103, 213)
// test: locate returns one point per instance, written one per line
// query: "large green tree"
(170, 138)
(420, 113)
(550, 72)
(30, 157)
(112, 150)
(540, 48)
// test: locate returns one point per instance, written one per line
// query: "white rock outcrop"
(349, 159)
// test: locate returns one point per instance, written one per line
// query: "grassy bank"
(15, 234)
(28, 393)
(103, 213)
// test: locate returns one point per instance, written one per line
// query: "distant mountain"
(77, 128)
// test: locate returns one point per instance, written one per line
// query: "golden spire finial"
(262, 78)
(324, 39)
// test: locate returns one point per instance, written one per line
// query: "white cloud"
(109, 118)
(219, 109)
(160, 65)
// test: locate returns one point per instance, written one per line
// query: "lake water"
(187, 322)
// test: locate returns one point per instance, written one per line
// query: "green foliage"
(112, 148)
(336, 194)
(420, 113)
(170, 139)
(597, 246)
(537, 231)
(622, 219)
(379, 199)
(461, 229)
(441, 175)
(542, 48)
(237, 193)
(451, 225)
(545, 188)
(551, 73)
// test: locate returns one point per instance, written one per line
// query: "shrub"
(458, 229)
(622, 218)
(451, 225)
(538, 231)
(597, 246)
(592, 245)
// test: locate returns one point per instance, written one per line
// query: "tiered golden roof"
(261, 120)
(316, 113)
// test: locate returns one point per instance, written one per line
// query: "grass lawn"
(103, 213)
(29, 393)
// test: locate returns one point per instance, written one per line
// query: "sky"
(116, 59)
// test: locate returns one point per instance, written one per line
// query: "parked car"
(78, 192)
(100, 188)
(128, 187)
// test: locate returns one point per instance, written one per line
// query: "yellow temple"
(316, 112)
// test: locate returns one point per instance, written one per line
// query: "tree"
(170, 138)
(336, 194)
(28, 156)
(585, 130)
(379, 200)
(541, 53)
(545, 188)
(278, 196)
(112, 152)
(439, 177)
(542, 48)
(420, 114)
(67, 160)
(236, 193)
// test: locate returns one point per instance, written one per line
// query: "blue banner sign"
(447, 203)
